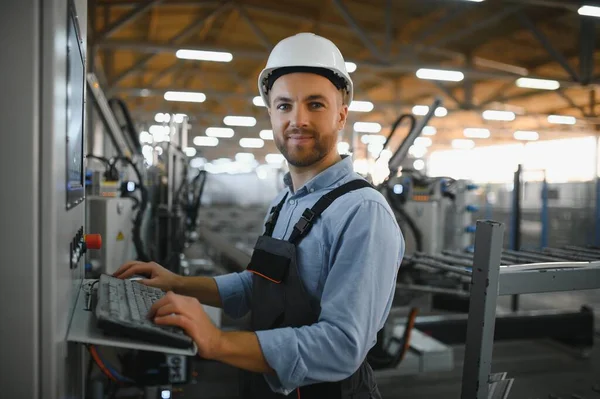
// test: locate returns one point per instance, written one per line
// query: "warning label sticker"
(120, 236)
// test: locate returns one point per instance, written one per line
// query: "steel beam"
(181, 36)
(128, 18)
(358, 30)
(389, 27)
(587, 41)
(545, 42)
(472, 28)
(261, 54)
(450, 15)
(570, 101)
(264, 40)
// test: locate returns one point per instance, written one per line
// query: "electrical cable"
(413, 122)
(129, 126)
(380, 358)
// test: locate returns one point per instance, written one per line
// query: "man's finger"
(165, 310)
(140, 268)
(165, 300)
(176, 320)
(125, 266)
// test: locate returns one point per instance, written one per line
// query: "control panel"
(80, 244)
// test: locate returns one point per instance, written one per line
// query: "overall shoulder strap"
(272, 221)
(305, 223)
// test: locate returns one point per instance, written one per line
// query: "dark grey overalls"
(279, 299)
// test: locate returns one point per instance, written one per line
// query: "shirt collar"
(326, 178)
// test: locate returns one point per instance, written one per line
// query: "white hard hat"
(303, 52)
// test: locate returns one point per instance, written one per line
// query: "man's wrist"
(178, 283)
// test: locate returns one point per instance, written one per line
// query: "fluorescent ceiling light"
(159, 130)
(244, 157)
(367, 127)
(274, 158)
(476, 133)
(417, 151)
(251, 143)
(343, 147)
(189, 151)
(258, 101)
(361, 106)
(239, 121)
(266, 134)
(419, 164)
(216, 56)
(423, 142)
(223, 132)
(350, 67)
(375, 148)
(542, 84)
(589, 11)
(429, 131)
(160, 117)
(463, 144)
(373, 139)
(440, 74)
(204, 141)
(424, 109)
(561, 119)
(493, 115)
(146, 138)
(526, 135)
(186, 96)
(178, 118)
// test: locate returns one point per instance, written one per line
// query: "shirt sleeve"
(235, 290)
(357, 297)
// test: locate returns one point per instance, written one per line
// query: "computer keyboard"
(121, 310)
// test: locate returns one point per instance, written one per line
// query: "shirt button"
(292, 202)
(312, 190)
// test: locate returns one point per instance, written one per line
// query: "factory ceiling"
(492, 43)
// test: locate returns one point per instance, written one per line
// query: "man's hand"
(158, 276)
(238, 348)
(187, 313)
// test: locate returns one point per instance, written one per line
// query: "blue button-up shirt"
(349, 260)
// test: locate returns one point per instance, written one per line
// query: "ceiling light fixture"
(185, 96)
(361, 106)
(562, 119)
(274, 158)
(589, 11)
(367, 127)
(429, 131)
(493, 115)
(203, 141)
(424, 109)
(541, 84)
(222, 132)
(239, 121)
(476, 133)
(440, 74)
(266, 134)
(201, 55)
(258, 101)
(251, 143)
(526, 135)
(462, 144)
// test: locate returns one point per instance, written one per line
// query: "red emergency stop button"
(93, 241)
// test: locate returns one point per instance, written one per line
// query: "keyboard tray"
(83, 329)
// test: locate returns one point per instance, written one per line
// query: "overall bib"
(279, 299)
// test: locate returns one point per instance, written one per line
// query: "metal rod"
(358, 30)
(128, 18)
(433, 290)
(482, 310)
(539, 35)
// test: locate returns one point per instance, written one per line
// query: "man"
(322, 277)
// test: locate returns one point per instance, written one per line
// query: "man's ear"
(342, 117)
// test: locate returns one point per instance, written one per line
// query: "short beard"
(321, 148)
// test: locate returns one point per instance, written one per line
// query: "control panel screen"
(75, 116)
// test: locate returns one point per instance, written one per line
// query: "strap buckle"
(305, 221)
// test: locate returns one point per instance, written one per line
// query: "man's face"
(306, 113)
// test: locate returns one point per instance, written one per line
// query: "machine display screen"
(75, 112)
